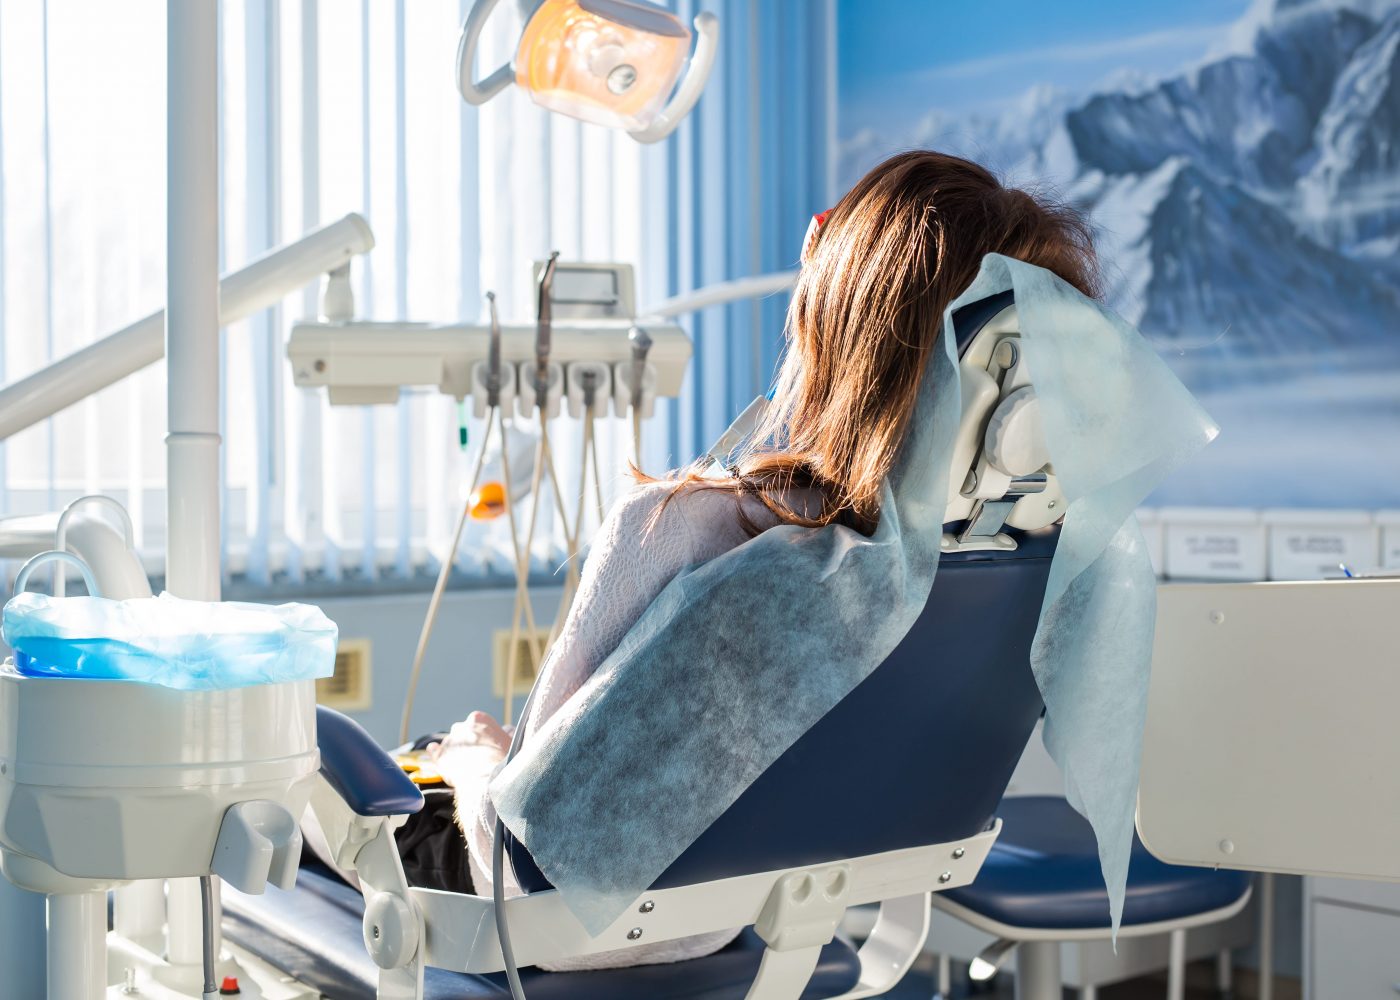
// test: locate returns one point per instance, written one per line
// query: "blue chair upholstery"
(971, 318)
(1043, 873)
(919, 753)
(313, 934)
(362, 774)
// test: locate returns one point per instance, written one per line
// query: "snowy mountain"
(1248, 216)
(1250, 118)
(1286, 167)
(1249, 206)
(1352, 190)
(1299, 298)
(1016, 139)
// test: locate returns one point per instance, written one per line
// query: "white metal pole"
(191, 344)
(77, 948)
(1038, 970)
(1265, 988)
(722, 292)
(22, 944)
(1176, 965)
(945, 977)
(192, 297)
(184, 915)
(1224, 971)
(138, 912)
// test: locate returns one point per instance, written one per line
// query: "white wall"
(456, 676)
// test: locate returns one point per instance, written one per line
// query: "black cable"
(498, 866)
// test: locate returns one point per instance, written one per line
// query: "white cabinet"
(1352, 933)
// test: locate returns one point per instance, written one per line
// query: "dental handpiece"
(641, 344)
(544, 318)
(493, 356)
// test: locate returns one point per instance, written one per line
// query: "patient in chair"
(878, 272)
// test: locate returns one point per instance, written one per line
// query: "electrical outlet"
(348, 689)
(526, 669)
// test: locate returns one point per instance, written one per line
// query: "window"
(347, 105)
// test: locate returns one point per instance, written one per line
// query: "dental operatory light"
(610, 62)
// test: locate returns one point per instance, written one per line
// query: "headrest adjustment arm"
(988, 517)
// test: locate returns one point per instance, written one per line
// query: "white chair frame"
(408, 929)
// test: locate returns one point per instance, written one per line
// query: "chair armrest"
(359, 770)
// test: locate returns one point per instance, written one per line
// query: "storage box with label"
(1212, 543)
(1316, 544)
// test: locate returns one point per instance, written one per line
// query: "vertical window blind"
(334, 106)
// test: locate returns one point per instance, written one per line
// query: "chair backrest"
(919, 753)
(922, 750)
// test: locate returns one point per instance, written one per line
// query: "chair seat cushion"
(313, 934)
(1043, 873)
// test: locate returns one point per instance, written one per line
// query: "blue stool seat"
(313, 933)
(1043, 873)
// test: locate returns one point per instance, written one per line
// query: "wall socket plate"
(526, 669)
(349, 689)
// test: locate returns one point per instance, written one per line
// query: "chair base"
(1038, 970)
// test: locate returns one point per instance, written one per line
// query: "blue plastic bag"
(165, 640)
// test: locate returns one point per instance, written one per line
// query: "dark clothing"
(432, 846)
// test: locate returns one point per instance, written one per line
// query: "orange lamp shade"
(610, 62)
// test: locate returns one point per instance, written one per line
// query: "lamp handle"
(706, 47)
(478, 91)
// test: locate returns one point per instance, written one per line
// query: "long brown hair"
(868, 307)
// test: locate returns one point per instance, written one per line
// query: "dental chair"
(890, 798)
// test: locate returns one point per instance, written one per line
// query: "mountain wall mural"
(1247, 206)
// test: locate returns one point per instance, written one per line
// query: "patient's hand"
(472, 750)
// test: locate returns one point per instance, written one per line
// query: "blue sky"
(903, 58)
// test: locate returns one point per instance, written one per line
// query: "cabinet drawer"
(1355, 954)
(1356, 892)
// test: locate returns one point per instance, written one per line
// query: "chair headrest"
(1001, 473)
